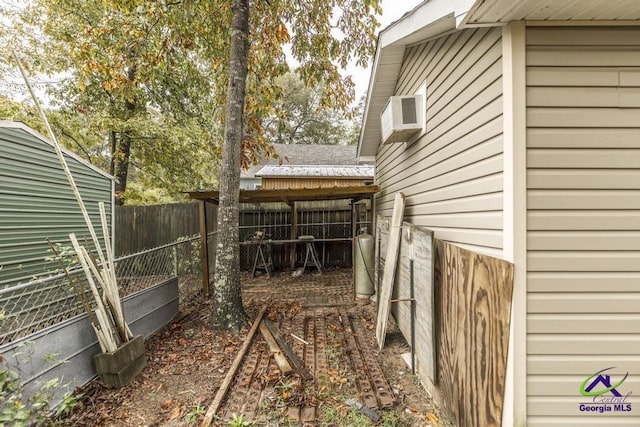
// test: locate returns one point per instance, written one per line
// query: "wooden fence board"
(473, 300)
(144, 227)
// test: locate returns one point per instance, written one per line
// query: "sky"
(392, 10)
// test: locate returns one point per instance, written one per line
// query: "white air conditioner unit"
(402, 118)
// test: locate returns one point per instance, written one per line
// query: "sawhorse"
(263, 263)
(310, 253)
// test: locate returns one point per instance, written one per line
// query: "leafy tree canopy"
(145, 81)
(300, 118)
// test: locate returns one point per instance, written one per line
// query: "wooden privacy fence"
(138, 228)
(142, 227)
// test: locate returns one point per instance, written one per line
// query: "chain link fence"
(33, 306)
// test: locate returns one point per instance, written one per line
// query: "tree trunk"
(228, 312)
(113, 143)
(120, 160)
(121, 149)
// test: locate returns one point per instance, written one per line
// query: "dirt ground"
(187, 362)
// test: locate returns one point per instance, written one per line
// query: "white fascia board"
(418, 24)
(366, 159)
(428, 20)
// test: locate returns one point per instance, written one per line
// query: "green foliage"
(239, 421)
(133, 102)
(191, 418)
(333, 415)
(17, 410)
(300, 118)
(152, 77)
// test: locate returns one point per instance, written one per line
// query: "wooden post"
(353, 245)
(372, 201)
(204, 248)
(390, 263)
(294, 234)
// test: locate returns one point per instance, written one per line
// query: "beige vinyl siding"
(583, 218)
(452, 174)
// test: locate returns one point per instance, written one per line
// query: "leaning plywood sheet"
(393, 247)
(417, 249)
(422, 241)
(473, 295)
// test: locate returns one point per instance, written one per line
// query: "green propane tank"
(364, 268)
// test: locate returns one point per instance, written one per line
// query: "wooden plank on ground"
(393, 247)
(296, 362)
(281, 360)
(217, 400)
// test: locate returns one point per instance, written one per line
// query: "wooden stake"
(390, 263)
(281, 360)
(296, 362)
(217, 400)
(305, 342)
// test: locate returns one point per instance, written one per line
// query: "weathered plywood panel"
(473, 300)
(298, 182)
(417, 245)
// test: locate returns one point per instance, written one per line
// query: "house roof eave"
(429, 19)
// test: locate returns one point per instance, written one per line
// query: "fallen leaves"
(175, 413)
(431, 417)
(336, 378)
(166, 404)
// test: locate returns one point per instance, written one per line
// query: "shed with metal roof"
(37, 203)
(315, 176)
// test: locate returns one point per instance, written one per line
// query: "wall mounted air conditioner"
(402, 118)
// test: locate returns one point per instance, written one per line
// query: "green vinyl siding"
(36, 204)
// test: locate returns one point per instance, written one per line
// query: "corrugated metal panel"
(329, 171)
(452, 176)
(74, 343)
(296, 183)
(36, 203)
(583, 239)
